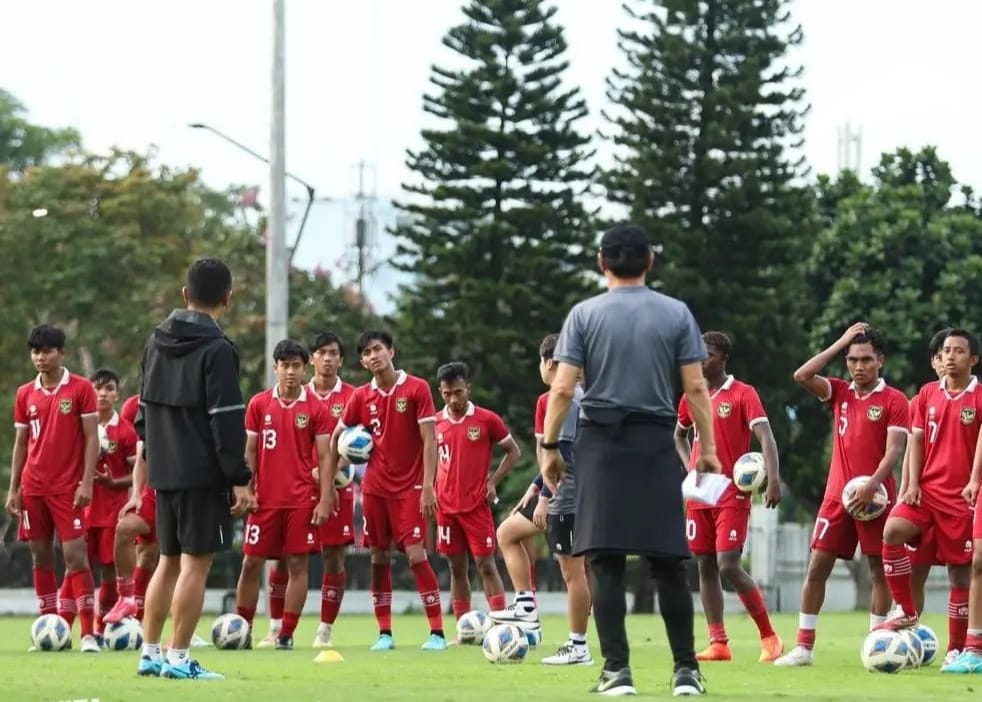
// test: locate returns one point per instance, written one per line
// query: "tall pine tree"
(706, 123)
(500, 243)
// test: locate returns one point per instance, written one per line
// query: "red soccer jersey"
(395, 468)
(539, 425)
(464, 447)
(736, 411)
(131, 405)
(55, 440)
(859, 432)
(103, 511)
(285, 437)
(951, 430)
(332, 404)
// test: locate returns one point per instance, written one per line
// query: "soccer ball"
(49, 632)
(355, 444)
(884, 651)
(472, 626)
(749, 474)
(124, 635)
(533, 632)
(871, 511)
(929, 643)
(230, 632)
(505, 643)
(915, 648)
(344, 476)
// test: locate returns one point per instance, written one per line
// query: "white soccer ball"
(355, 444)
(929, 643)
(875, 508)
(124, 635)
(230, 632)
(915, 648)
(884, 651)
(533, 633)
(472, 626)
(749, 474)
(505, 643)
(49, 632)
(344, 476)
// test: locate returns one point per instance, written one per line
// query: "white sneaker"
(90, 644)
(198, 642)
(323, 637)
(269, 641)
(799, 655)
(950, 656)
(569, 654)
(513, 614)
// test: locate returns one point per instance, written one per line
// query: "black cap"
(625, 237)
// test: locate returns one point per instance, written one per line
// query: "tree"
(706, 124)
(23, 144)
(499, 241)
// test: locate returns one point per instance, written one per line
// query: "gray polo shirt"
(630, 342)
(564, 501)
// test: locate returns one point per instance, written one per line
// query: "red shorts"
(148, 513)
(273, 533)
(951, 524)
(339, 529)
(717, 530)
(391, 520)
(468, 531)
(42, 516)
(102, 545)
(924, 553)
(837, 532)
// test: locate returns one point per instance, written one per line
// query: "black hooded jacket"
(192, 416)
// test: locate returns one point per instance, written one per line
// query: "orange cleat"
(717, 651)
(771, 649)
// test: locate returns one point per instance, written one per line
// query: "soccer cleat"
(514, 614)
(967, 662)
(284, 643)
(771, 649)
(688, 683)
(799, 655)
(717, 651)
(323, 637)
(121, 610)
(904, 621)
(188, 670)
(950, 657)
(269, 641)
(90, 644)
(434, 643)
(198, 642)
(385, 643)
(149, 667)
(615, 684)
(569, 654)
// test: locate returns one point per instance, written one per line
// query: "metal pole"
(277, 256)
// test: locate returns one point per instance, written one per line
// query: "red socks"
(46, 589)
(247, 613)
(753, 602)
(83, 590)
(290, 620)
(896, 568)
(462, 607)
(107, 598)
(957, 618)
(141, 579)
(382, 595)
(124, 586)
(277, 592)
(717, 633)
(429, 594)
(332, 592)
(497, 602)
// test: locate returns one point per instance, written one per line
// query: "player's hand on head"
(853, 331)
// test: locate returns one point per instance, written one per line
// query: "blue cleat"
(434, 643)
(149, 667)
(189, 670)
(385, 643)
(966, 663)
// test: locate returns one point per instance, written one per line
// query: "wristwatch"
(550, 446)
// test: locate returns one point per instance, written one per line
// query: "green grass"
(462, 673)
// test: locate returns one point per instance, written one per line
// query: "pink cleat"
(121, 610)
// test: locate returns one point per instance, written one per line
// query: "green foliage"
(23, 144)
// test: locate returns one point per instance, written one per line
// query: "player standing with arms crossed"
(717, 533)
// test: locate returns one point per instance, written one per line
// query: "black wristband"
(550, 446)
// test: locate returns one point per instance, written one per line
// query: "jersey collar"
(943, 386)
(302, 397)
(727, 384)
(336, 388)
(400, 379)
(113, 421)
(879, 387)
(65, 376)
(468, 413)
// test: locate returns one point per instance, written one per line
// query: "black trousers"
(608, 570)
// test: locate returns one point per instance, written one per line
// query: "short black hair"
(209, 281)
(45, 336)
(287, 350)
(547, 347)
(371, 335)
(326, 339)
(449, 372)
(937, 342)
(104, 376)
(873, 337)
(719, 340)
(973, 342)
(625, 249)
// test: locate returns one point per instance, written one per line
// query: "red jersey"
(332, 404)
(55, 440)
(395, 468)
(103, 511)
(464, 447)
(539, 425)
(131, 405)
(859, 432)
(286, 434)
(736, 411)
(951, 430)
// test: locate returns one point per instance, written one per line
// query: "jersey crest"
(402, 404)
(874, 413)
(724, 410)
(337, 409)
(65, 406)
(302, 420)
(473, 433)
(968, 415)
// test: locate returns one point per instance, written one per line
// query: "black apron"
(628, 486)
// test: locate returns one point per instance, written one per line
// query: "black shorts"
(528, 510)
(560, 529)
(195, 522)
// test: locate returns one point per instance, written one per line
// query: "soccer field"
(461, 673)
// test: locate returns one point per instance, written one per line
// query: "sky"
(135, 74)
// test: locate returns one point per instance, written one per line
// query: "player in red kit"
(717, 534)
(56, 447)
(130, 408)
(398, 494)
(945, 432)
(465, 489)
(284, 428)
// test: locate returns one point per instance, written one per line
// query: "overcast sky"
(136, 73)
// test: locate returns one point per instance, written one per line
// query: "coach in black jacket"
(192, 420)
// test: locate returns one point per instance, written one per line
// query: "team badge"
(111, 448)
(65, 406)
(724, 410)
(874, 413)
(401, 404)
(968, 415)
(302, 420)
(337, 410)
(473, 433)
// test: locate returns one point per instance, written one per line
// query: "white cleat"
(950, 656)
(269, 641)
(323, 637)
(568, 654)
(513, 614)
(198, 642)
(797, 656)
(90, 644)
